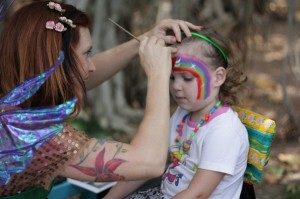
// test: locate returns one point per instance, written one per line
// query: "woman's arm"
(109, 62)
(202, 185)
(146, 155)
(123, 189)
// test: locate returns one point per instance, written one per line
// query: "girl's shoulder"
(226, 115)
(228, 121)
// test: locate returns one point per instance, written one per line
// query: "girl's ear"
(220, 76)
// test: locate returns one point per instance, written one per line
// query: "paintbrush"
(123, 29)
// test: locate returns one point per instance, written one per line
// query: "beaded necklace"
(185, 146)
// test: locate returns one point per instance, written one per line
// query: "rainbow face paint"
(193, 65)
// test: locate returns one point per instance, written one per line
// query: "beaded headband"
(209, 40)
(59, 27)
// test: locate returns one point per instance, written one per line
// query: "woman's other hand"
(162, 29)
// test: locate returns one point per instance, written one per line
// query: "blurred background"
(265, 34)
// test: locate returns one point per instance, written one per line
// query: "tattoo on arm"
(102, 171)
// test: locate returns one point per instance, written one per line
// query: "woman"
(29, 45)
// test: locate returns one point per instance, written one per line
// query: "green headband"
(209, 40)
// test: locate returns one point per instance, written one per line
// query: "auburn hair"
(212, 56)
(27, 48)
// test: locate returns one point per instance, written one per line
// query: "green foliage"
(293, 190)
(276, 171)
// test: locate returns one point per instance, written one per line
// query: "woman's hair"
(214, 58)
(27, 48)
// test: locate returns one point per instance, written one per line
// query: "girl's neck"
(199, 114)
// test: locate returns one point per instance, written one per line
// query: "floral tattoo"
(103, 172)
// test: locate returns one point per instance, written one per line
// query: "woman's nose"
(92, 67)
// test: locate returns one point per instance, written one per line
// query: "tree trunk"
(293, 115)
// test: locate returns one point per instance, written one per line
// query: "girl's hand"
(162, 29)
(155, 57)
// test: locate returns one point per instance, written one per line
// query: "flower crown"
(59, 27)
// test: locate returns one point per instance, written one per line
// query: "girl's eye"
(188, 79)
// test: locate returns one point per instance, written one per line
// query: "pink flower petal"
(50, 25)
(59, 27)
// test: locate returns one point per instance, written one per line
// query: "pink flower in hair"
(57, 7)
(50, 25)
(51, 4)
(63, 18)
(59, 27)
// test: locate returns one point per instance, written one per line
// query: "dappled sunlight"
(274, 56)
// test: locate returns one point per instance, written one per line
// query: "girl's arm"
(202, 185)
(109, 62)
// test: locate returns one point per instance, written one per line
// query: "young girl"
(208, 143)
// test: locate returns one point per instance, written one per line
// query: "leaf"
(99, 162)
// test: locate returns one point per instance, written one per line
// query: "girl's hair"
(27, 48)
(212, 56)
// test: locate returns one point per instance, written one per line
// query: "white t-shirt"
(220, 145)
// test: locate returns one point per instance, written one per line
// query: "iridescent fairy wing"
(2, 10)
(23, 131)
(29, 87)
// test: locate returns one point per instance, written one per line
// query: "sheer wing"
(29, 87)
(2, 10)
(23, 131)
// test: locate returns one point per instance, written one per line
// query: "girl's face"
(191, 83)
(184, 89)
(83, 52)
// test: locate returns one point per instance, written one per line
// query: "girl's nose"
(176, 84)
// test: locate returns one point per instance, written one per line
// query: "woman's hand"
(155, 57)
(162, 29)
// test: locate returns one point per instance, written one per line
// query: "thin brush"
(124, 29)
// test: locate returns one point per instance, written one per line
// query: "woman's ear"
(220, 76)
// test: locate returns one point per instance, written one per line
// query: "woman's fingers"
(155, 56)
(177, 26)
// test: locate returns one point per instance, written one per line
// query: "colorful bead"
(185, 146)
(207, 117)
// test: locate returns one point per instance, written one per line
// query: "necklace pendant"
(181, 151)
(186, 146)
